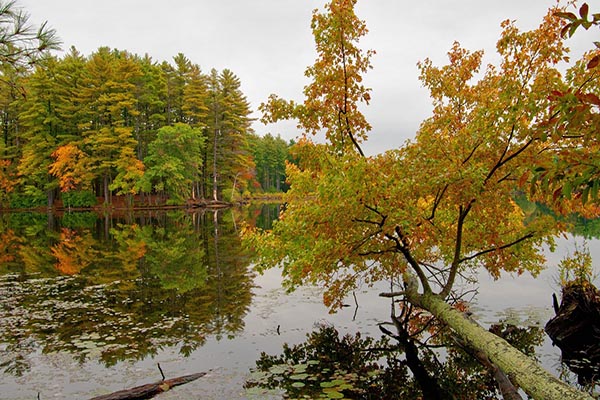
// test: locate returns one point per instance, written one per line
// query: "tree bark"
(522, 370)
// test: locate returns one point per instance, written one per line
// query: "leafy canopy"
(442, 205)
(333, 97)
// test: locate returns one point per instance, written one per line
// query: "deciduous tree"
(174, 161)
(439, 208)
(571, 180)
(333, 97)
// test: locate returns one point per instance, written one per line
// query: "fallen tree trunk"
(506, 387)
(521, 370)
(149, 390)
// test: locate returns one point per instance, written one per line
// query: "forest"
(503, 141)
(81, 129)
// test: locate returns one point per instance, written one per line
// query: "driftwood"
(149, 390)
(576, 330)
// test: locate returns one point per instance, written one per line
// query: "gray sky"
(268, 43)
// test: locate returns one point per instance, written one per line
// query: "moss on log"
(521, 369)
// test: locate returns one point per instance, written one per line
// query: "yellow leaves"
(332, 96)
(453, 79)
(7, 178)
(446, 198)
(276, 109)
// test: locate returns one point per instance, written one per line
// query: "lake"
(89, 305)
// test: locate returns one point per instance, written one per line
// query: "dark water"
(90, 305)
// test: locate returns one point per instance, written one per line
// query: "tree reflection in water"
(110, 291)
(407, 363)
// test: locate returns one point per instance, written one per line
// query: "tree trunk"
(522, 370)
(105, 189)
(215, 182)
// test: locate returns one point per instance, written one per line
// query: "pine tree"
(228, 128)
(109, 112)
(151, 95)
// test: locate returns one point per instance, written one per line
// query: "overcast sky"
(268, 43)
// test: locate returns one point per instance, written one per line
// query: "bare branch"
(490, 250)
(392, 294)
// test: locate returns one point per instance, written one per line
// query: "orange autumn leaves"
(444, 203)
(75, 251)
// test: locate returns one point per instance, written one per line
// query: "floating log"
(149, 390)
(576, 330)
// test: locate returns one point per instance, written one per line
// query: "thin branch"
(366, 221)
(356, 303)
(490, 250)
(436, 202)
(365, 240)
(378, 252)
(375, 210)
(505, 177)
(500, 162)
(466, 160)
(392, 294)
(345, 110)
(504, 161)
(161, 371)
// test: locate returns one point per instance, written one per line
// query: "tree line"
(114, 123)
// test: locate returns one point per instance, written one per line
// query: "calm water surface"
(90, 305)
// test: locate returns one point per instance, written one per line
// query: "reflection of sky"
(522, 298)
(527, 301)
(524, 291)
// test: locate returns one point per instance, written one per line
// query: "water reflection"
(400, 366)
(112, 289)
(90, 292)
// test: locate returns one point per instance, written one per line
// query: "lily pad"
(299, 377)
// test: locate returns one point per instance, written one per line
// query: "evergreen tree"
(110, 110)
(22, 44)
(151, 95)
(270, 155)
(41, 126)
(228, 130)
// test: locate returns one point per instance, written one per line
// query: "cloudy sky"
(268, 43)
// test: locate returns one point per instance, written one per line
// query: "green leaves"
(101, 112)
(174, 160)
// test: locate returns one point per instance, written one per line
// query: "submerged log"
(576, 330)
(149, 390)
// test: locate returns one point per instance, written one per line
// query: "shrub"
(79, 198)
